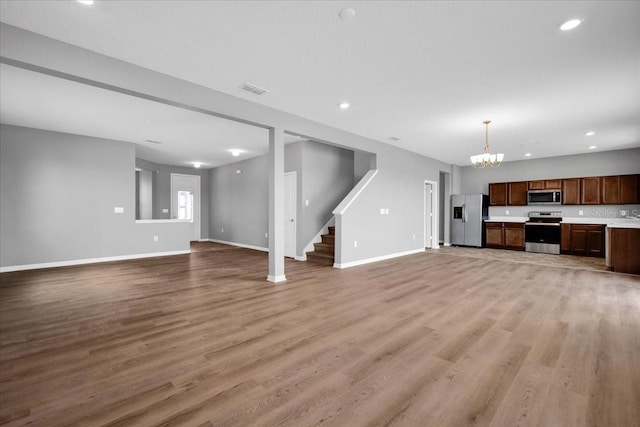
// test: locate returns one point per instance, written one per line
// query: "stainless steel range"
(542, 232)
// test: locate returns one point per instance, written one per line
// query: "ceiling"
(425, 72)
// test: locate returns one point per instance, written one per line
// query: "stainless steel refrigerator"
(468, 212)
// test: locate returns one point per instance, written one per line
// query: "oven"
(542, 232)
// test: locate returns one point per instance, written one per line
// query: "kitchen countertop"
(609, 222)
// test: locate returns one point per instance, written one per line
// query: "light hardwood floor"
(429, 339)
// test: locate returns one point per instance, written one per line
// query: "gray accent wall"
(58, 194)
(238, 202)
(327, 177)
(620, 162)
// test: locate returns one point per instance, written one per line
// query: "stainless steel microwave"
(544, 197)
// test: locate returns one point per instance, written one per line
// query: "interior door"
(290, 213)
(185, 201)
(428, 216)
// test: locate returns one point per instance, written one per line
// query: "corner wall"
(58, 194)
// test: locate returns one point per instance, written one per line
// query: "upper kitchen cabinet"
(571, 191)
(590, 190)
(517, 193)
(498, 194)
(546, 184)
(629, 189)
(610, 187)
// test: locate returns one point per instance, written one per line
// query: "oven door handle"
(545, 224)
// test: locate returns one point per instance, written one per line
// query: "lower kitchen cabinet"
(504, 235)
(582, 239)
(625, 246)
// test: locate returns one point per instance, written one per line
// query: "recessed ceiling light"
(87, 2)
(570, 24)
(590, 133)
(347, 13)
(197, 165)
(235, 153)
(527, 154)
(344, 105)
(394, 138)
(592, 147)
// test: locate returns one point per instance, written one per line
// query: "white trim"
(318, 237)
(294, 251)
(435, 209)
(276, 279)
(301, 258)
(240, 245)
(378, 258)
(447, 244)
(89, 261)
(355, 192)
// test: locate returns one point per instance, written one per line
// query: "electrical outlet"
(238, 171)
(414, 237)
(355, 243)
(506, 212)
(306, 203)
(386, 211)
(266, 235)
(222, 230)
(155, 238)
(165, 210)
(580, 212)
(381, 211)
(118, 209)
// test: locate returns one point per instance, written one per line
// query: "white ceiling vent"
(253, 88)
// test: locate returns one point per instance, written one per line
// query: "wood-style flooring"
(432, 339)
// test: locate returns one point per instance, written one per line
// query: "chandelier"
(486, 159)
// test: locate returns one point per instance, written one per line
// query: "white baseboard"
(88, 261)
(376, 259)
(276, 279)
(301, 258)
(240, 245)
(447, 244)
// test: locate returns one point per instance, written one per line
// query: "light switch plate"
(165, 210)
(118, 209)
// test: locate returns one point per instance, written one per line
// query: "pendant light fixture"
(486, 159)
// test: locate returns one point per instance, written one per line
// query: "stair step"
(332, 230)
(329, 239)
(324, 248)
(320, 258)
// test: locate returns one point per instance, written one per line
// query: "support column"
(276, 205)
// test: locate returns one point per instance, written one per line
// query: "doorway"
(431, 215)
(290, 213)
(185, 201)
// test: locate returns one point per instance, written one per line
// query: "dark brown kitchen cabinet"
(590, 190)
(517, 193)
(546, 184)
(514, 235)
(498, 194)
(571, 191)
(504, 235)
(625, 246)
(494, 235)
(610, 190)
(629, 189)
(582, 239)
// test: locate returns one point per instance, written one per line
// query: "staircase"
(324, 252)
